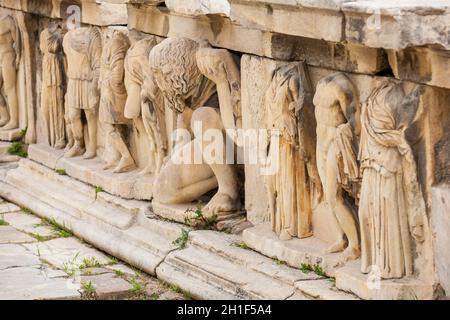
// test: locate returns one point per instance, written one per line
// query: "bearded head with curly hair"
(174, 66)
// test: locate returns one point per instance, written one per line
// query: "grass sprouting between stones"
(182, 240)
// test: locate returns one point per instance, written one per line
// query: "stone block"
(350, 279)
(10, 235)
(440, 222)
(128, 185)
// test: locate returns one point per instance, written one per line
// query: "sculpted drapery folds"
(392, 208)
(338, 126)
(145, 103)
(189, 77)
(292, 188)
(113, 99)
(53, 84)
(83, 49)
(10, 50)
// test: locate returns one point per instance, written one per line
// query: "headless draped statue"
(113, 98)
(10, 48)
(292, 189)
(83, 49)
(52, 93)
(392, 208)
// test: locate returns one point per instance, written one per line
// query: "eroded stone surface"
(129, 185)
(27, 274)
(24, 283)
(14, 255)
(29, 223)
(67, 252)
(199, 7)
(10, 235)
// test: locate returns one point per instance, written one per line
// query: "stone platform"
(39, 261)
(129, 185)
(11, 135)
(309, 252)
(206, 264)
(4, 155)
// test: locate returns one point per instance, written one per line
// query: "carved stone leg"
(4, 115)
(9, 86)
(91, 148)
(226, 199)
(333, 194)
(77, 129)
(126, 162)
(182, 183)
(69, 132)
(114, 161)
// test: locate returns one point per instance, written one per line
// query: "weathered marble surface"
(441, 223)
(96, 12)
(129, 185)
(61, 268)
(325, 19)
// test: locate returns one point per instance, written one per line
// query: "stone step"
(58, 190)
(217, 261)
(214, 270)
(87, 190)
(213, 265)
(79, 203)
(128, 185)
(112, 226)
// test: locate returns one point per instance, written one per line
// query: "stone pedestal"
(309, 253)
(129, 185)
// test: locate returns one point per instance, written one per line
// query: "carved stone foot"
(147, 170)
(10, 126)
(69, 146)
(222, 202)
(89, 154)
(336, 247)
(60, 145)
(284, 235)
(3, 121)
(75, 151)
(126, 164)
(110, 165)
(350, 254)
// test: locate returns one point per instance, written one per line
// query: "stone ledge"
(334, 20)
(222, 32)
(11, 135)
(310, 19)
(398, 24)
(295, 252)
(95, 12)
(348, 277)
(129, 185)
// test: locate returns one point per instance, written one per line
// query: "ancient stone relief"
(145, 103)
(113, 99)
(295, 185)
(10, 54)
(53, 87)
(83, 49)
(189, 76)
(337, 113)
(392, 208)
